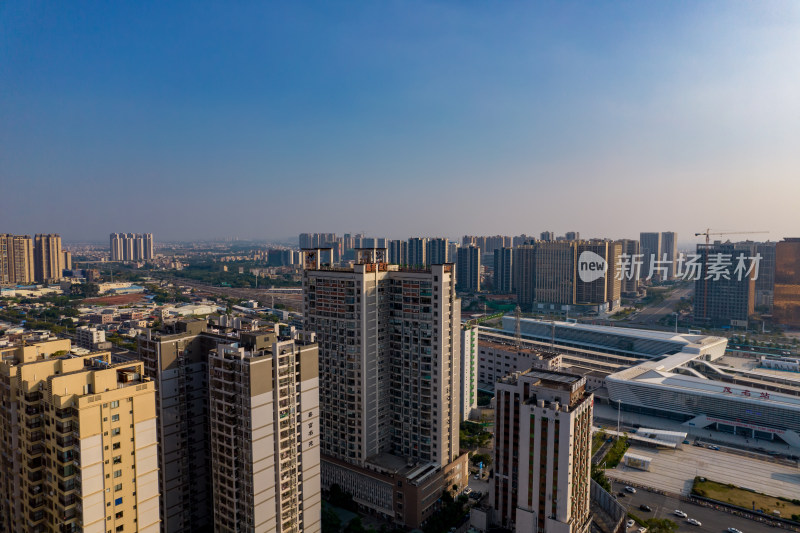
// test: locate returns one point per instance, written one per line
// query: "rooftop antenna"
(518, 326)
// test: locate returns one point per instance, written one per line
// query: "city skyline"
(369, 112)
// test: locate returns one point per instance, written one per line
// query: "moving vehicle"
(630, 489)
(733, 530)
(694, 522)
(680, 513)
(644, 507)
(713, 447)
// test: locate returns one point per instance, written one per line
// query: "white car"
(630, 489)
(467, 490)
(694, 522)
(629, 523)
(680, 513)
(733, 530)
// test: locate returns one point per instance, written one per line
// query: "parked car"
(629, 523)
(630, 489)
(642, 530)
(621, 494)
(467, 490)
(686, 442)
(713, 447)
(680, 513)
(694, 522)
(644, 507)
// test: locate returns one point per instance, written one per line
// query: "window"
(114, 404)
(117, 459)
(117, 487)
(114, 432)
(117, 473)
(118, 501)
(120, 528)
(115, 446)
(115, 418)
(118, 515)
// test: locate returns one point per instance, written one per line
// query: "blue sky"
(263, 120)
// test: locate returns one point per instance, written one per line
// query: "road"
(652, 314)
(293, 302)
(664, 507)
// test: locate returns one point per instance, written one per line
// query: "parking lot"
(675, 470)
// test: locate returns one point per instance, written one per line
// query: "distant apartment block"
(650, 246)
(390, 381)
(417, 251)
(398, 252)
(724, 300)
(468, 269)
(47, 258)
(765, 283)
(504, 270)
(786, 305)
(630, 280)
(79, 452)
(669, 251)
(542, 456)
(131, 246)
(66, 260)
(548, 236)
(436, 252)
(572, 236)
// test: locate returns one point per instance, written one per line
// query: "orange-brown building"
(786, 300)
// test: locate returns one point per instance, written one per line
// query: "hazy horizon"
(201, 121)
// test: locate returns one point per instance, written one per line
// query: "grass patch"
(746, 498)
(614, 455)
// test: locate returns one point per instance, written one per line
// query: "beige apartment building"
(543, 428)
(79, 452)
(265, 438)
(16, 259)
(389, 380)
(47, 258)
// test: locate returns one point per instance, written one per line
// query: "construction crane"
(708, 233)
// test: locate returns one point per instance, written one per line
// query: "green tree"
(660, 525)
(330, 521)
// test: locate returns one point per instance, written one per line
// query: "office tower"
(719, 301)
(572, 236)
(389, 368)
(469, 369)
(176, 359)
(264, 429)
(542, 456)
(765, 283)
(66, 260)
(16, 259)
(786, 302)
(548, 236)
(555, 274)
(669, 251)
(47, 258)
(79, 446)
(650, 246)
(469, 269)
(436, 252)
(398, 252)
(504, 271)
(631, 273)
(417, 246)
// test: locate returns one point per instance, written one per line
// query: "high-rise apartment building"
(417, 248)
(468, 268)
(264, 429)
(631, 274)
(389, 381)
(669, 251)
(724, 299)
(79, 446)
(89, 337)
(436, 252)
(765, 283)
(398, 252)
(469, 369)
(548, 279)
(66, 260)
(786, 303)
(548, 236)
(542, 456)
(650, 246)
(47, 258)
(572, 236)
(504, 270)
(131, 246)
(16, 259)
